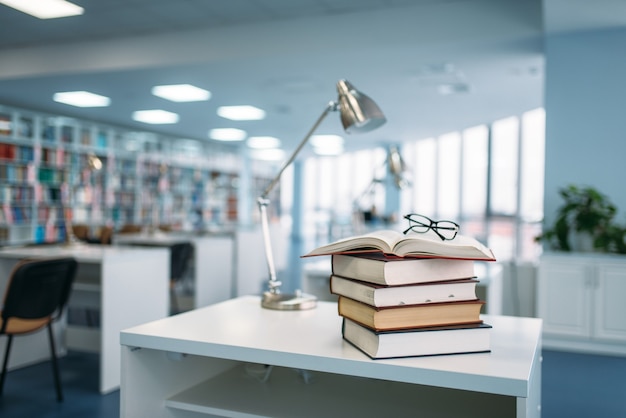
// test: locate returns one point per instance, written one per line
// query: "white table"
(129, 286)
(202, 363)
(213, 261)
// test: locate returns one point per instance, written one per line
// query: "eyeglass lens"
(446, 230)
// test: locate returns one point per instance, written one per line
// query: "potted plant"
(586, 214)
(613, 239)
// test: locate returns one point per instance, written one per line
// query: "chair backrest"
(81, 232)
(106, 235)
(181, 253)
(38, 289)
(129, 229)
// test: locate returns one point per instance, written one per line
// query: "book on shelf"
(410, 316)
(5, 124)
(411, 294)
(381, 269)
(452, 339)
(8, 213)
(390, 242)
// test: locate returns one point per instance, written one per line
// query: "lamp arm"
(268, 189)
(263, 202)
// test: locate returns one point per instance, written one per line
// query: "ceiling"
(286, 56)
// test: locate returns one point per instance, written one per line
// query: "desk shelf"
(237, 393)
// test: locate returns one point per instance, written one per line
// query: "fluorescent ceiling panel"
(227, 134)
(241, 112)
(263, 142)
(81, 99)
(181, 93)
(45, 9)
(155, 116)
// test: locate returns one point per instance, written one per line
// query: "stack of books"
(405, 296)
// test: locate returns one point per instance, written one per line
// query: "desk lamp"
(358, 113)
(396, 167)
(94, 164)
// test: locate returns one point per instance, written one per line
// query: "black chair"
(35, 296)
(180, 254)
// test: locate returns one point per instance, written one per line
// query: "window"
(449, 176)
(489, 178)
(532, 160)
(475, 164)
(425, 177)
(336, 186)
(503, 164)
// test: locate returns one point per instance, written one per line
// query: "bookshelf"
(124, 186)
(146, 179)
(18, 175)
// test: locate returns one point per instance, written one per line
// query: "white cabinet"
(580, 297)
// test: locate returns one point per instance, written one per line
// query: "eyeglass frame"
(433, 225)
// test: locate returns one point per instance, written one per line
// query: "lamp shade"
(93, 162)
(359, 113)
(397, 168)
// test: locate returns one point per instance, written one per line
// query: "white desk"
(194, 365)
(129, 286)
(213, 261)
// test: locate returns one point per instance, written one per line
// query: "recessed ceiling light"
(329, 150)
(81, 99)
(268, 154)
(227, 134)
(319, 141)
(45, 9)
(241, 112)
(155, 116)
(263, 142)
(446, 89)
(327, 144)
(181, 93)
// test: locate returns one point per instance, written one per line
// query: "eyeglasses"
(446, 230)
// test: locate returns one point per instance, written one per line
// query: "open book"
(393, 243)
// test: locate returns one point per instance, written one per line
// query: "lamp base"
(74, 242)
(288, 302)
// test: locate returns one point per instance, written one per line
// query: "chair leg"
(5, 362)
(55, 366)
(173, 301)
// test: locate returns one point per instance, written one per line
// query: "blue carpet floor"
(583, 386)
(573, 386)
(29, 392)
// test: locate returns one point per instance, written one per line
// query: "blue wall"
(585, 102)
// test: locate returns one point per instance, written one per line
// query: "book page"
(382, 240)
(426, 244)
(431, 243)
